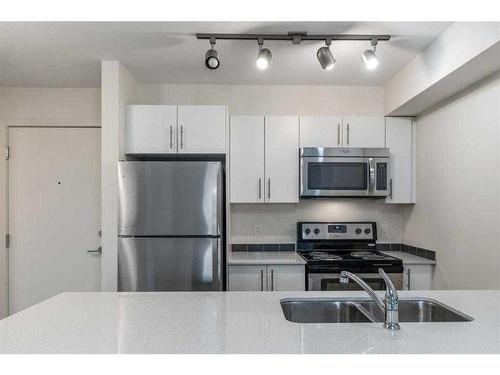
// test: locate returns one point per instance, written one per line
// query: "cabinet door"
(247, 278)
(202, 129)
(320, 131)
(418, 276)
(282, 159)
(363, 132)
(398, 135)
(246, 135)
(151, 129)
(286, 277)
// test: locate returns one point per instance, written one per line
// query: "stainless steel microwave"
(344, 172)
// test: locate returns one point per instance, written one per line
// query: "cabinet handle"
(260, 188)
(272, 280)
(338, 134)
(171, 137)
(261, 280)
(409, 278)
(269, 188)
(97, 251)
(182, 136)
(390, 188)
(348, 133)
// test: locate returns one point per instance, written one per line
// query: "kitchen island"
(236, 322)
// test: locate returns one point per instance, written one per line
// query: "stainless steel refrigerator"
(171, 226)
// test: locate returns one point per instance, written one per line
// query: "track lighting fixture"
(264, 56)
(369, 58)
(212, 56)
(325, 56)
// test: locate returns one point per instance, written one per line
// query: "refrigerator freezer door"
(169, 264)
(162, 198)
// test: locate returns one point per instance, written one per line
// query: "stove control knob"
(316, 231)
(367, 231)
(358, 231)
(307, 231)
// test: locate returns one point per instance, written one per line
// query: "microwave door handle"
(371, 165)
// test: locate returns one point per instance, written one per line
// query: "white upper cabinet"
(166, 129)
(363, 132)
(264, 159)
(282, 159)
(320, 131)
(247, 159)
(201, 129)
(151, 129)
(399, 139)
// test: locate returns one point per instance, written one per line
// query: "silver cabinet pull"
(348, 133)
(171, 137)
(182, 136)
(272, 279)
(260, 188)
(269, 188)
(338, 134)
(96, 251)
(390, 188)
(409, 278)
(261, 280)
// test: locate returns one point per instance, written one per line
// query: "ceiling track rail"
(295, 37)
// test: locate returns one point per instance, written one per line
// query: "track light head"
(264, 57)
(369, 57)
(325, 56)
(212, 57)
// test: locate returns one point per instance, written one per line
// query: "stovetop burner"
(361, 254)
(322, 255)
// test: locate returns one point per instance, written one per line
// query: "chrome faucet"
(389, 307)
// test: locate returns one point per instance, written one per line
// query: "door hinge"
(7, 241)
(7, 153)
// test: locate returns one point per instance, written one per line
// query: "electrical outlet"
(258, 230)
(383, 230)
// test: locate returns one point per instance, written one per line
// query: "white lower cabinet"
(267, 278)
(418, 276)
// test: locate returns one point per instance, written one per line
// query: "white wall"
(458, 188)
(118, 89)
(458, 45)
(39, 107)
(279, 220)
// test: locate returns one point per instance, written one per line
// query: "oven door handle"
(371, 176)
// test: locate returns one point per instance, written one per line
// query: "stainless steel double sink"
(362, 310)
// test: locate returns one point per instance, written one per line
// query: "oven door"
(331, 282)
(335, 176)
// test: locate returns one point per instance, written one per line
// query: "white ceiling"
(64, 54)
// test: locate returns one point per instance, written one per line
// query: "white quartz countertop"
(236, 322)
(409, 258)
(264, 257)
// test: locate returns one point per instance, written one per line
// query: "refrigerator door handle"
(217, 263)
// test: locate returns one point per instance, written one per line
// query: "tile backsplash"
(418, 251)
(263, 247)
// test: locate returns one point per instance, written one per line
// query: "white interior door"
(282, 159)
(54, 213)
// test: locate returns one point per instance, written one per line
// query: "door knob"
(98, 251)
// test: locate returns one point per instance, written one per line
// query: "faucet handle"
(390, 290)
(344, 279)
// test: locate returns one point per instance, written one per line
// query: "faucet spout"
(389, 306)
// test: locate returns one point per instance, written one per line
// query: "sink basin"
(302, 310)
(421, 310)
(362, 310)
